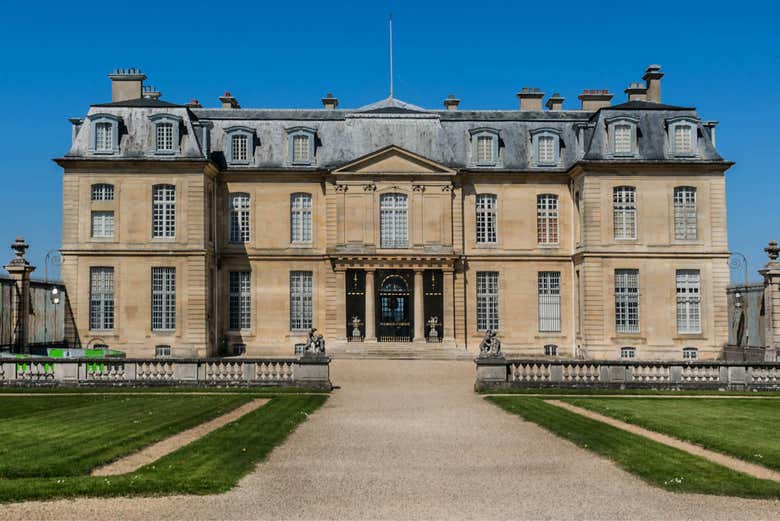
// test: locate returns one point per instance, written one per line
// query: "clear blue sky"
(720, 57)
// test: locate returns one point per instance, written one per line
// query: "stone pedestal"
(313, 370)
(19, 271)
(771, 274)
(491, 372)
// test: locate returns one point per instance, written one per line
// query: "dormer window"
(240, 145)
(546, 146)
(484, 147)
(105, 134)
(683, 133)
(301, 145)
(622, 136)
(166, 133)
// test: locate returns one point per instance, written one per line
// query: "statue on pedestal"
(356, 323)
(433, 323)
(315, 344)
(490, 347)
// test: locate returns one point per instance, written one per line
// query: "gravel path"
(410, 440)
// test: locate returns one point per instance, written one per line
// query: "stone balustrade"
(499, 372)
(305, 371)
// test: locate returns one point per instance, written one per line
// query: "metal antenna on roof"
(391, 55)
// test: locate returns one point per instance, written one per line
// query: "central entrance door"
(394, 314)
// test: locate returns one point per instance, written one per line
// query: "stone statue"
(433, 323)
(490, 347)
(315, 344)
(356, 323)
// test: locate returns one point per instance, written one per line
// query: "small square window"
(690, 353)
(162, 351)
(551, 350)
(239, 349)
(627, 352)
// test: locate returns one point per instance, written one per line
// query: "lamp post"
(738, 261)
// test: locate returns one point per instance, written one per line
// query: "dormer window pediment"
(683, 136)
(546, 146)
(104, 139)
(240, 146)
(622, 136)
(300, 143)
(484, 146)
(166, 133)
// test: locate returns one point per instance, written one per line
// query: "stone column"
(771, 274)
(370, 314)
(341, 304)
(449, 306)
(19, 272)
(419, 311)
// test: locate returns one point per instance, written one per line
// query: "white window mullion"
(549, 295)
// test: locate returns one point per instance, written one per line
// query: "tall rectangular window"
(393, 221)
(103, 224)
(301, 149)
(239, 148)
(240, 300)
(688, 301)
(486, 219)
(487, 300)
(104, 137)
(164, 137)
(101, 299)
(300, 300)
(624, 212)
(163, 299)
(549, 301)
(627, 301)
(239, 218)
(683, 139)
(485, 150)
(547, 219)
(300, 218)
(546, 150)
(685, 213)
(622, 136)
(163, 211)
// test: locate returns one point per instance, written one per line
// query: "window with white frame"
(624, 212)
(486, 219)
(239, 349)
(239, 300)
(546, 149)
(690, 353)
(685, 213)
(550, 350)
(166, 133)
(300, 300)
(240, 145)
(101, 299)
(162, 351)
(546, 146)
(682, 136)
(301, 145)
(163, 211)
(163, 299)
(393, 222)
(164, 137)
(484, 143)
(239, 218)
(549, 295)
(300, 218)
(627, 301)
(487, 301)
(104, 137)
(102, 192)
(627, 352)
(688, 302)
(622, 132)
(102, 224)
(547, 219)
(105, 134)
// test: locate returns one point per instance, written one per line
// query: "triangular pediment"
(394, 160)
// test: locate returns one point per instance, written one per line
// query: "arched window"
(166, 133)
(624, 212)
(105, 134)
(301, 145)
(683, 136)
(546, 146)
(240, 145)
(622, 132)
(486, 219)
(393, 222)
(163, 211)
(547, 218)
(685, 213)
(102, 192)
(484, 144)
(239, 217)
(300, 218)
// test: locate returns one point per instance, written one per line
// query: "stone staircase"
(397, 351)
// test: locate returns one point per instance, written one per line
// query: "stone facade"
(444, 168)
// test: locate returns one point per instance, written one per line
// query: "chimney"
(652, 79)
(636, 91)
(555, 102)
(451, 103)
(530, 98)
(126, 84)
(194, 104)
(228, 101)
(151, 92)
(595, 99)
(75, 129)
(329, 102)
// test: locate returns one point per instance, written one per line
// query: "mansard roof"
(139, 103)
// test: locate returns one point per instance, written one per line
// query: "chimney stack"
(151, 92)
(652, 79)
(194, 104)
(530, 98)
(126, 84)
(636, 91)
(451, 103)
(228, 101)
(595, 99)
(555, 102)
(329, 102)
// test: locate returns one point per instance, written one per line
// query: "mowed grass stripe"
(658, 464)
(747, 429)
(210, 465)
(96, 430)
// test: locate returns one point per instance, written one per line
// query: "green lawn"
(209, 465)
(747, 429)
(653, 462)
(565, 391)
(70, 435)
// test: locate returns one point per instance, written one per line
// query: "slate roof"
(139, 103)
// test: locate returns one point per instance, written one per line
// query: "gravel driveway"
(410, 440)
